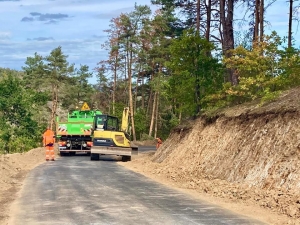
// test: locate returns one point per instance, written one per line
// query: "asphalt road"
(146, 149)
(75, 190)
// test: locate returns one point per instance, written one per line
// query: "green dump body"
(75, 134)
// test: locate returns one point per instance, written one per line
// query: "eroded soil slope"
(252, 151)
(248, 154)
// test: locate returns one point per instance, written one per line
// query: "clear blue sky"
(29, 26)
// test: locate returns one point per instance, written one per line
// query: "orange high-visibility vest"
(48, 137)
(159, 142)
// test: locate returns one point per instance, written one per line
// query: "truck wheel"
(94, 156)
(126, 158)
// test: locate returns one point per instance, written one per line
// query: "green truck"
(74, 135)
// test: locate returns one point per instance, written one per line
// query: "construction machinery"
(74, 135)
(110, 139)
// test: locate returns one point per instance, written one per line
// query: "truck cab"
(74, 134)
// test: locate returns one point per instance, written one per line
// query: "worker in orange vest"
(48, 142)
(159, 142)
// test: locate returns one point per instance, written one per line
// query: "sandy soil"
(13, 170)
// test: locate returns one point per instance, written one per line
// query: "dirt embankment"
(246, 154)
(257, 156)
(13, 170)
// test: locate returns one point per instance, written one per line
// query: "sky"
(29, 26)
(276, 18)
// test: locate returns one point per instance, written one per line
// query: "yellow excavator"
(110, 139)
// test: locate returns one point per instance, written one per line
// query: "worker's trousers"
(50, 152)
(158, 145)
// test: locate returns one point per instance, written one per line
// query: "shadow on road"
(113, 158)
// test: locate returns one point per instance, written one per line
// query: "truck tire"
(126, 158)
(94, 156)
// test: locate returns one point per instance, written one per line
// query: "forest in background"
(166, 68)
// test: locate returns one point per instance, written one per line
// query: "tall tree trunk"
(143, 93)
(136, 88)
(149, 102)
(130, 91)
(156, 115)
(197, 86)
(153, 115)
(54, 106)
(198, 17)
(180, 116)
(261, 20)
(135, 99)
(208, 23)
(114, 86)
(150, 95)
(226, 17)
(256, 22)
(290, 24)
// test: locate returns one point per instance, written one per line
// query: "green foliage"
(289, 68)
(193, 70)
(140, 122)
(51, 73)
(57, 67)
(24, 96)
(269, 96)
(34, 73)
(263, 72)
(145, 137)
(18, 130)
(77, 88)
(119, 107)
(169, 121)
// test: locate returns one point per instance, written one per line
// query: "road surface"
(75, 190)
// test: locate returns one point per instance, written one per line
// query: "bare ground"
(13, 170)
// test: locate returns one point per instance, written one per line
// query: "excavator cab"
(106, 122)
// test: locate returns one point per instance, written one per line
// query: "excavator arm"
(125, 120)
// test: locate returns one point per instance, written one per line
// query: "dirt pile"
(13, 170)
(248, 154)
